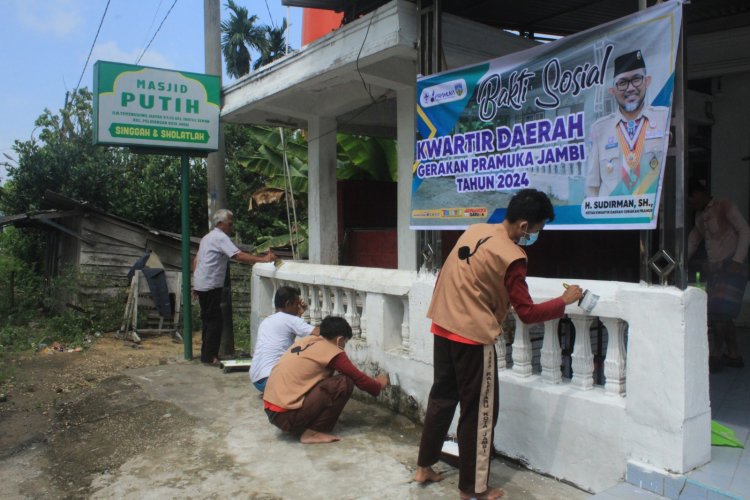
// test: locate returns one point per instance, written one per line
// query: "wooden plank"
(107, 259)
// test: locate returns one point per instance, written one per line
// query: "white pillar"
(322, 213)
(406, 118)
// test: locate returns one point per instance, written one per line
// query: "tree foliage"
(239, 34)
(63, 159)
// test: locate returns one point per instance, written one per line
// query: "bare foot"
(313, 437)
(425, 474)
(488, 494)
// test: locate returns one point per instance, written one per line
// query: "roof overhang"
(353, 74)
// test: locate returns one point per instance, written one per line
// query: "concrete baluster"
(325, 303)
(582, 358)
(551, 355)
(314, 306)
(405, 323)
(614, 364)
(306, 291)
(352, 315)
(521, 350)
(338, 302)
(363, 316)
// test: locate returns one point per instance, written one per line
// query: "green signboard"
(150, 107)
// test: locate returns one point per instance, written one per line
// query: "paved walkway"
(235, 452)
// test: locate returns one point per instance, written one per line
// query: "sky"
(45, 44)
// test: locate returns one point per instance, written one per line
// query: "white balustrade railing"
(562, 408)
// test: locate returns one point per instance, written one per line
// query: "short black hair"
(530, 205)
(335, 326)
(285, 295)
(695, 185)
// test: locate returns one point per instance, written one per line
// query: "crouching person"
(303, 396)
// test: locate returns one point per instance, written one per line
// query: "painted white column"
(405, 323)
(521, 353)
(406, 105)
(551, 356)
(614, 363)
(321, 211)
(582, 358)
(352, 315)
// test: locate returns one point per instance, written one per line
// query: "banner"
(584, 119)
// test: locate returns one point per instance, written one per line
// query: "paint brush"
(588, 301)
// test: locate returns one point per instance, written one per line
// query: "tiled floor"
(728, 474)
(729, 469)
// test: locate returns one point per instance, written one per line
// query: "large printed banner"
(584, 119)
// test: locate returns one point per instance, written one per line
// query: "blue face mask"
(528, 239)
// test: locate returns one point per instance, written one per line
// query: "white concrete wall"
(582, 436)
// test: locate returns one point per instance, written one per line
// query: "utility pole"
(217, 191)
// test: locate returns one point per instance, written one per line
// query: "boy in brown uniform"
(303, 396)
(482, 277)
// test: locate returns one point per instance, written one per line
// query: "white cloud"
(110, 51)
(56, 17)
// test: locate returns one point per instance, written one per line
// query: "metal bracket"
(665, 269)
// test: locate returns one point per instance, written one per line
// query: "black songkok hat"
(629, 62)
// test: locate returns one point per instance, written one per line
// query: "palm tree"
(275, 45)
(237, 34)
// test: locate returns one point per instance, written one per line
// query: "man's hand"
(572, 293)
(383, 380)
(269, 257)
(302, 308)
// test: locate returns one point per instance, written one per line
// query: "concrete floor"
(234, 451)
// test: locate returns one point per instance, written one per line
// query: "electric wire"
(364, 84)
(270, 16)
(151, 25)
(156, 32)
(88, 58)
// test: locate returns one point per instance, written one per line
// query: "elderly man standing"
(209, 271)
(626, 147)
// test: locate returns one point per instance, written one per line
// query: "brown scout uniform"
(470, 298)
(300, 368)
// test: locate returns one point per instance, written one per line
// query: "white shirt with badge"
(213, 255)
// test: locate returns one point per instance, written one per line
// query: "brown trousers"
(465, 374)
(320, 409)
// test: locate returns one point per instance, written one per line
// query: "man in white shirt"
(209, 271)
(277, 333)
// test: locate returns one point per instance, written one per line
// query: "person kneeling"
(303, 396)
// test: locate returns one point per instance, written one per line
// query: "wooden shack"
(100, 248)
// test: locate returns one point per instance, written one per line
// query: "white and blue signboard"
(586, 119)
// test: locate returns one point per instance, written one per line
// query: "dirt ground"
(65, 401)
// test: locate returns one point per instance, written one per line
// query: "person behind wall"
(626, 147)
(719, 223)
(303, 396)
(482, 277)
(277, 333)
(209, 271)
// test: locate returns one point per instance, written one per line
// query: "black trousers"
(465, 374)
(212, 320)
